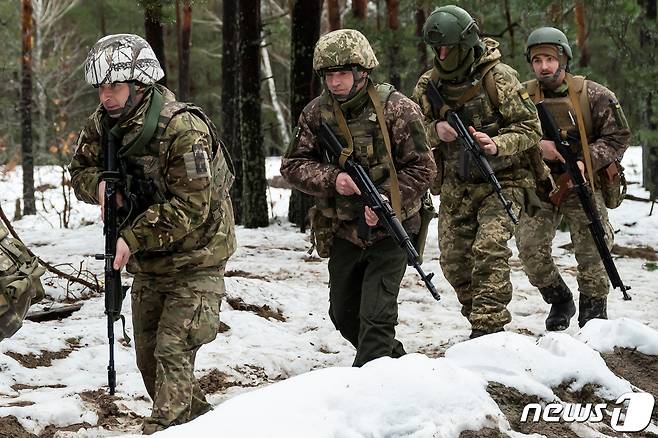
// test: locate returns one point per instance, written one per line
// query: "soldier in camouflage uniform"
(607, 135)
(473, 226)
(177, 228)
(366, 266)
(20, 286)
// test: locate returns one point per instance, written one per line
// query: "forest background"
(235, 57)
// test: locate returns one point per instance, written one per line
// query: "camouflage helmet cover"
(343, 47)
(548, 35)
(122, 58)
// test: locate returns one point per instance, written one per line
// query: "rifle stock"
(470, 146)
(552, 132)
(372, 198)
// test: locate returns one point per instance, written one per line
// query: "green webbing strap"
(150, 125)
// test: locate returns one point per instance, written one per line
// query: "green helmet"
(548, 35)
(450, 26)
(343, 47)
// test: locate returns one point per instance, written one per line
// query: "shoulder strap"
(148, 129)
(490, 83)
(575, 102)
(534, 90)
(395, 187)
(172, 109)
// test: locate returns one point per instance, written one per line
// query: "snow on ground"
(289, 374)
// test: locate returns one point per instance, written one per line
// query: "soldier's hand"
(345, 185)
(371, 217)
(549, 151)
(581, 166)
(101, 198)
(122, 254)
(485, 142)
(445, 132)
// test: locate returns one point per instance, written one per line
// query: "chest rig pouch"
(476, 103)
(369, 150)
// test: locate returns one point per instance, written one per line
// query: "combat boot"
(562, 306)
(590, 308)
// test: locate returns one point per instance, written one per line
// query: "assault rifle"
(470, 146)
(372, 198)
(552, 132)
(114, 291)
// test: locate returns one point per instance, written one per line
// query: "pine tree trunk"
(101, 17)
(27, 152)
(305, 31)
(333, 12)
(581, 38)
(153, 33)
(421, 48)
(184, 24)
(393, 24)
(360, 9)
(230, 99)
(254, 184)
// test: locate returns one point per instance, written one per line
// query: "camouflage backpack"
(20, 286)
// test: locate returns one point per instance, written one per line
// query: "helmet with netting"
(122, 58)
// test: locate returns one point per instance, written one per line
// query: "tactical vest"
(143, 166)
(562, 109)
(476, 102)
(20, 286)
(369, 151)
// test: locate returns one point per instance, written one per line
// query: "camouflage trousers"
(173, 316)
(363, 293)
(534, 238)
(474, 256)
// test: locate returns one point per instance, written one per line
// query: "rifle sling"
(395, 187)
(575, 102)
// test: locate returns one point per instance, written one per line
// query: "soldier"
(20, 286)
(177, 228)
(366, 265)
(474, 228)
(602, 136)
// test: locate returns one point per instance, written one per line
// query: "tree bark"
(230, 99)
(153, 32)
(254, 184)
(510, 28)
(274, 98)
(360, 9)
(184, 26)
(581, 36)
(304, 83)
(421, 48)
(27, 152)
(393, 24)
(101, 17)
(333, 11)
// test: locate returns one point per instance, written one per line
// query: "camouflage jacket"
(610, 135)
(184, 220)
(305, 165)
(516, 135)
(20, 286)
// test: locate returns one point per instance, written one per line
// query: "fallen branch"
(95, 287)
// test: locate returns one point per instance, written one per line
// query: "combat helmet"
(549, 35)
(343, 48)
(122, 58)
(452, 26)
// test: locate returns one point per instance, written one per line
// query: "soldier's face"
(547, 69)
(340, 82)
(443, 52)
(113, 97)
